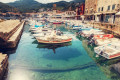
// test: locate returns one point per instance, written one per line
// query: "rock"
(117, 67)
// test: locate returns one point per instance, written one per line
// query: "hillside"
(6, 8)
(79, 0)
(26, 5)
(32, 5)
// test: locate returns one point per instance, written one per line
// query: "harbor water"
(69, 61)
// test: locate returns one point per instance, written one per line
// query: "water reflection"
(53, 46)
(33, 61)
(104, 64)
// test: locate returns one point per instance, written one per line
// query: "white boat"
(31, 22)
(43, 30)
(87, 33)
(76, 27)
(41, 34)
(54, 39)
(32, 28)
(109, 51)
(100, 42)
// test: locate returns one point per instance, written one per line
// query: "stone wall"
(5, 36)
(90, 5)
(3, 65)
(113, 28)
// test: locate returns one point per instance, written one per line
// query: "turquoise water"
(33, 61)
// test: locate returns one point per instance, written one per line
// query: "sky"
(7, 1)
(41, 1)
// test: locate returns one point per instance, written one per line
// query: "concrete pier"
(10, 32)
(3, 64)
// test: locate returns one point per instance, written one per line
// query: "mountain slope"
(6, 8)
(79, 0)
(26, 5)
(32, 5)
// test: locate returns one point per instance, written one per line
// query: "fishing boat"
(54, 39)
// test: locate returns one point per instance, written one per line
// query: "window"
(102, 9)
(99, 10)
(113, 7)
(108, 8)
(86, 11)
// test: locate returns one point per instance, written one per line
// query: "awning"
(89, 14)
(110, 12)
(117, 13)
(97, 13)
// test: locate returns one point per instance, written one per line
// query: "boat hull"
(54, 42)
(57, 22)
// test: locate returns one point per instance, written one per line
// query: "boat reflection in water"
(52, 46)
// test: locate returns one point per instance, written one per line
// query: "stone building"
(117, 18)
(106, 10)
(90, 9)
(80, 10)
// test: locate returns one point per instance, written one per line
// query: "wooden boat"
(54, 40)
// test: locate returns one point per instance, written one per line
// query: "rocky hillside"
(6, 8)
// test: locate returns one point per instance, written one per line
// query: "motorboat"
(87, 33)
(76, 27)
(105, 41)
(109, 51)
(33, 28)
(41, 34)
(43, 30)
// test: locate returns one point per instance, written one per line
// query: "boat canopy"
(39, 26)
